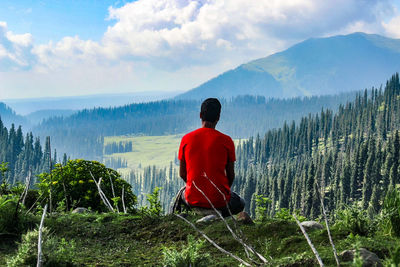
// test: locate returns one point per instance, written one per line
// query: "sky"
(79, 47)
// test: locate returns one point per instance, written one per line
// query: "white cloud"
(169, 38)
(15, 50)
(171, 34)
(393, 27)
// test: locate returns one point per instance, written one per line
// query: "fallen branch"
(39, 258)
(213, 243)
(309, 241)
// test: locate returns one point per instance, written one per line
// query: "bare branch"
(213, 243)
(327, 228)
(309, 241)
(112, 188)
(39, 258)
(102, 196)
(123, 199)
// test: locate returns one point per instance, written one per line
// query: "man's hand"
(230, 172)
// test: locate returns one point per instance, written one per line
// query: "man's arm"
(230, 172)
(182, 169)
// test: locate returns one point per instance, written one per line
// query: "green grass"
(147, 150)
(132, 240)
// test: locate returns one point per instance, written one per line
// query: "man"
(207, 166)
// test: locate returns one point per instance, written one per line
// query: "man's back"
(207, 152)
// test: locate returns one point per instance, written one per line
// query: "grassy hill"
(134, 240)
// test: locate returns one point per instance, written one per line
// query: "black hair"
(210, 110)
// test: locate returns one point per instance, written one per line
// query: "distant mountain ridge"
(317, 66)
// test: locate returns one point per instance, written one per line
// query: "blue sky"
(52, 20)
(71, 47)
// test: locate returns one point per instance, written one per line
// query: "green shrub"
(73, 184)
(285, 214)
(189, 255)
(262, 207)
(355, 220)
(8, 205)
(56, 251)
(154, 209)
(391, 213)
(394, 260)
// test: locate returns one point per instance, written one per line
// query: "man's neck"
(207, 124)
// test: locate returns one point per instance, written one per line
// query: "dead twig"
(309, 241)
(327, 228)
(102, 195)
(213, 243)
(123, 199)
(112, 189)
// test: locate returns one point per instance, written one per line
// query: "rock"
(312, 225)
(80, 210)
(369, 258)
(203, 211)
(207, 219)
(244, 218)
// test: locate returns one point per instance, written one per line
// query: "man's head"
(210, 110)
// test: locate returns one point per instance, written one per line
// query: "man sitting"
(207, 159)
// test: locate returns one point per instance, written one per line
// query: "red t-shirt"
(206, 152)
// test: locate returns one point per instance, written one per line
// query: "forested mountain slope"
(23, 154)
(8, 116)
(81, 134)
(352, 157)
(317, 66)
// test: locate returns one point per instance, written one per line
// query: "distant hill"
(317, 66)
(40, 115)
(8, 116)
(29, 105)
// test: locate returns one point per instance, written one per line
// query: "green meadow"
(147, 150)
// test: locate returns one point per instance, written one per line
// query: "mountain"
(317, 66)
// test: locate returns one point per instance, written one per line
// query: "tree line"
(24, 155)
(81, 135)
(347, 158)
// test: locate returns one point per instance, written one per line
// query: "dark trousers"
(235, 204)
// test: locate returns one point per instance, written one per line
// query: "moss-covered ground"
(122, 240)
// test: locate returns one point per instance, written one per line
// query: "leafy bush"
(391, 213)
(155, 208)
(262, 207)
(189, 255)
(285, 214)
(355, 219)
(56, 251)
(8, 205)
(73, 184)
(394, 260)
